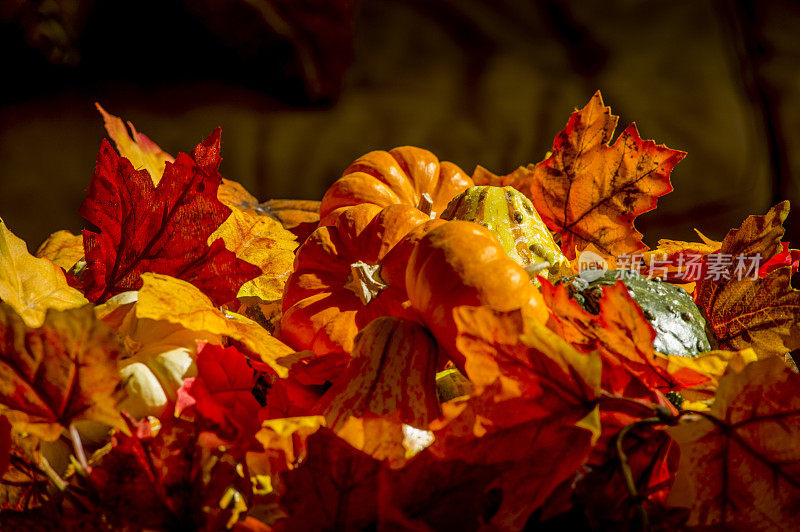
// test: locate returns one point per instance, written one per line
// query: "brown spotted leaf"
(23, 486)
(743, 309)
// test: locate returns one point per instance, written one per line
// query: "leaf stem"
(77, 445)
(625, 468)
(607, 399)
(51, 474)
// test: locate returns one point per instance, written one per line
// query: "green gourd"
(679, 325)
(514, 221)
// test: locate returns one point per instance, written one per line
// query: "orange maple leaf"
(622, 336)
(533, 392)
(740, 463)
(61, 372)
(590, 191)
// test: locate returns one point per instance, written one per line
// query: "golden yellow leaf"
(62, 248)
(382, 438)
(261, 241)
(236, 197)
(143, 153)
(278, 434)
(165, 298)
(712, 365)
(32, 285)
(300, 217)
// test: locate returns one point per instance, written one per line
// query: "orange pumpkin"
(462, 263)
(336, 288)
(406, 175)
(393, 265)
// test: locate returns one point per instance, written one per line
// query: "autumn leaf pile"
(196, 359)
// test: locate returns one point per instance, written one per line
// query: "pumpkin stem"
(365, 281)
(426, 205)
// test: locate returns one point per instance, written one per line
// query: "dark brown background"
(301, 88)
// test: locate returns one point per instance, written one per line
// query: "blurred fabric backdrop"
(303, 87)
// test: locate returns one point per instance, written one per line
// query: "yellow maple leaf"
(32, 285)
(713, 365)
(62, 248)
(261, 241)
(165, 298)
(142, 152)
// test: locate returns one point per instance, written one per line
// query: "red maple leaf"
(162, 479)
(160, 229)
(308, 380)
(5, 444)
(787, 257)
(222, 392)
(623, 337)
(601, 492)
(338, 487)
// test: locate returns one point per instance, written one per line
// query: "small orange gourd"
(463, 263)
(406, 175)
